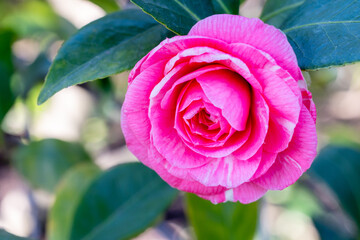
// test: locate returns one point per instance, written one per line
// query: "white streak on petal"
(229, 195)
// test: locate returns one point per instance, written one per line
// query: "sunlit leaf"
(222, 221)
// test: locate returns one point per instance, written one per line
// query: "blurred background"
(38, 144)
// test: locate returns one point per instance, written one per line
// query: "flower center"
(212, 107)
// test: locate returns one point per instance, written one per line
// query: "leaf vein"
(316, 24)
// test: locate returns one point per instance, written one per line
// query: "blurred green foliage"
(7, 236)
(69, 193)
(48, 159)
(6, 70)
(107, 5)
(338, 167)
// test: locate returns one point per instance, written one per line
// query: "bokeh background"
(38, 144)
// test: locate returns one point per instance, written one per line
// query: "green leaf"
(328, 229)
(70, 191)
(107, 5)
(43, 163)
(227, 6)
(6, 70)
(339, 168)
(222, 221)
(104, 47)
(121, 203)
(180, 15)
(177, 15)
(275, 12)
(7, 236)
(323, 33)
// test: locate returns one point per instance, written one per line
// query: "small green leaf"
(6, 70)
(107, 5)
(227, 6)
(322, 33)
(105, 47)
(177, 15)
(121, 203)
(43, 163)
(70, 191)
(222, 221)
(7, 236)
(339, 168)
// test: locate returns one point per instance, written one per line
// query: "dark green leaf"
(227, 6)
(275, 12)
(7, 236)
(6, 70)
(121, 203)
(328, 229)
(223, 221)
(339, 168)
(177, 15)
(43, 163)
(107, 5)
(70, 191)
(323, 33)
(107, 46)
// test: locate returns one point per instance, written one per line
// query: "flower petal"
(227, 171)
(296, 159)
(162, 167)
(229, 92)
(135, 122)
(252, 31)
(259, 117)
(245, 193)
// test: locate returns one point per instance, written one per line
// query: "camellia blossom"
(223, 112)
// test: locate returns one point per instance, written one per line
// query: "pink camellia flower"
(223, 112)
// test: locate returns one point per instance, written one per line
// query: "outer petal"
(284, 108)
(135, 122)
(227, 171)
(162, 167)
(267, 160)
(309, 103)
(296, 159)
(248, 192)
(245, 193)
(238, 29)
(171, 47)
